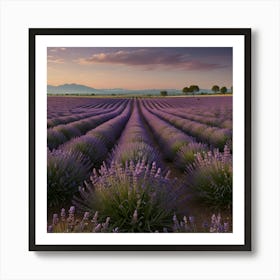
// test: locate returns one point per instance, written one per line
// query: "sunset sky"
(140, 68)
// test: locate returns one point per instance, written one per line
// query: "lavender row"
(158, 104)
(209, 112)
(204, 103)
(65, 110)
(96, 144)
(78, 116)
(197, 108)
(65, 106)
(202, 107)
(62, 106)
(171, 139)
(217, 137)
(134, 143)
(63, 133)
(211, 121)
(104, 105)
(74, 117)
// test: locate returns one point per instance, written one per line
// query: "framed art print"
(140, 139)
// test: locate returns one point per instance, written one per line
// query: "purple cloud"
(150, 59)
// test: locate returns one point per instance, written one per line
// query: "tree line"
(217, 89)
(195, 88)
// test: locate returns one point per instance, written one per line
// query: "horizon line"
(117, 88)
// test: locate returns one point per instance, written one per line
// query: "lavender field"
(139, 164)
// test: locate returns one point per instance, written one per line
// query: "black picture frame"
(245, 32)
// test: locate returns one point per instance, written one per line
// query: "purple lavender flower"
(226, 227)
(55, 219)
(135, 217)
(97, 228)
(205, 225)
(72, 210)
(191, 219)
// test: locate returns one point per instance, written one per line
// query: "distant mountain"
(81, 89)
(70, 88)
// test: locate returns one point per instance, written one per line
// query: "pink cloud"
(149, 59)
(52, 59)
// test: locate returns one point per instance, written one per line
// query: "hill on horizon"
(69, 88)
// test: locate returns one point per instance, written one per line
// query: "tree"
(193, 89)
(215, 88)
(186, 90)
(163, 93)
(231, 89)
(223, 90)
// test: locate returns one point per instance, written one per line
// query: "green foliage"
(215, 88)
(68, 132)
(186, 90)
(223, 90)
(163, 93)
(175, 147)
(186, 154)
(192, 89)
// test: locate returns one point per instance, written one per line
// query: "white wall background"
(16, 262)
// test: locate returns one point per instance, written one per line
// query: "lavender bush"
(65, 171)
(137, 197)
(55, 138)
(210, 178)
(134, 152)
(89, 146)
